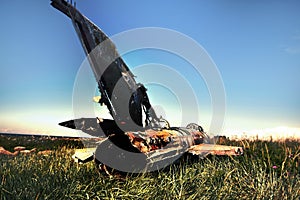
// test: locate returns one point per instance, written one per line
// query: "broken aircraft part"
(154, 141)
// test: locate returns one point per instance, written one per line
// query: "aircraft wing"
(203, 150)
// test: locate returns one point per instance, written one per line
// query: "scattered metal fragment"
(17, 150)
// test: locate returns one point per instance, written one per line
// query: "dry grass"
(268, 170)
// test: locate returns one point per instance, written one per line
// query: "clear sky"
(255, 45)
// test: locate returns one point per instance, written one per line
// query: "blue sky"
(255, 45)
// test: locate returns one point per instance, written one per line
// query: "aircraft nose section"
(68, 124)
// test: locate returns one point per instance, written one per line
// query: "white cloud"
(278, 133)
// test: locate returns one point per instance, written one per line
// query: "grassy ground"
(268, 170)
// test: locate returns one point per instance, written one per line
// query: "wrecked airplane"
(130, 144)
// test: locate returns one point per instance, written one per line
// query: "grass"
(268, 170)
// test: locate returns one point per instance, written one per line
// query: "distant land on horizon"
(275, 134)
(43, 135)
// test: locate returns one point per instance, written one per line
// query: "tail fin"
(121, 94)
